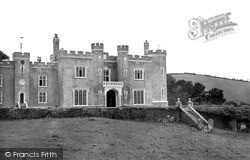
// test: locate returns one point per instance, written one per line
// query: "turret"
(146, 47)
(122, 49)
(97, 47)
(56, 42)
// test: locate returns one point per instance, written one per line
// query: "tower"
(97, 51)
(22, 64)
(56, 42)
(97, 72)
(123, 70)
(146, 47)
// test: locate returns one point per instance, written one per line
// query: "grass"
(101, 138)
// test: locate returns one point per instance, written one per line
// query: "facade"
(93, 78)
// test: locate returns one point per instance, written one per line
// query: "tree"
(215, 96)
(178, 89)
(171, 84)
(3, 56)
(197, 92)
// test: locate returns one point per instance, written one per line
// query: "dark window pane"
(142, 97)
(76, 97)
(80, 97)
(135, 97)
(77, 72)
(84, 98)
(83, 70)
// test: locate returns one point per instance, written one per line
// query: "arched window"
(80, 97)
(162, 72)
(139, 97)
(1, 98)
(1, 80)
(76, 97)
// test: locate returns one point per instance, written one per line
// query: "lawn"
(101, 138)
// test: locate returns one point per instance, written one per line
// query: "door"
(21, 98)
(111, 98)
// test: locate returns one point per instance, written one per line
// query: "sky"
(163, 23)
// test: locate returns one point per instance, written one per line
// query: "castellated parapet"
(74, 54)
(122, 49)
(43, 65)
(97, 46)
(140, 58)
(7, 63)
(157, 52)
(21, 55)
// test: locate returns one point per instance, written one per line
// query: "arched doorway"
(21, 98)
(111, 98)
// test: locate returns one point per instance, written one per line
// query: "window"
(139, 97)
(162, 72)
(125, 73)
(139, 74)
(1, 98)
(22, 62)
(80, 97)
(42, 97)
(42, 81)
(162, 92)
(1, 80)
(125, 95)
(80, 72)
(105, 75)
(105, 56)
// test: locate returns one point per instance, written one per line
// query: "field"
(101, 138)
(233, 90)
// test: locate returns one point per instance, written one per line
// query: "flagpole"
(21, 44)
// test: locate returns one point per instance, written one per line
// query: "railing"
(26, 105)
(118, 84)
(199, 115)
(18, 105)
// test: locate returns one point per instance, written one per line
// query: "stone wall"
(8, 89)
(51, 89)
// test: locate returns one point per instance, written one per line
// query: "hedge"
(144, 114)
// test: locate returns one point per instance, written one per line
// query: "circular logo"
(7, 154)
(22, 82)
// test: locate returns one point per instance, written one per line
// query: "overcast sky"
(114, 22)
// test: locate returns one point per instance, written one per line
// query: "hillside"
(234, 90)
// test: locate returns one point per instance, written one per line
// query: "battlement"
(122, 48)
(6, 63)
(157, 52)
(142, 58)
(65, 53)
(97, 46)
(42, 65)
(17, 55)
(112, 58)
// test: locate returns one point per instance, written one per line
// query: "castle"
(93, 78)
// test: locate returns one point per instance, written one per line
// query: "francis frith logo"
(212, 27)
